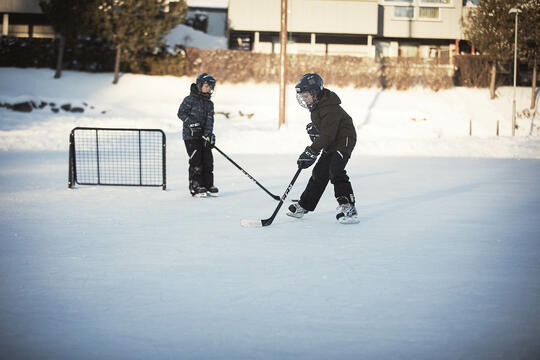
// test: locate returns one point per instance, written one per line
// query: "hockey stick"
(266, 222)
(275, 197)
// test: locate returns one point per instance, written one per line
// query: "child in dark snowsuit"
(331, 131)
(197, 115)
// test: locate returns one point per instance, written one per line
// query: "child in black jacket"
(197, 114)
(332, 132)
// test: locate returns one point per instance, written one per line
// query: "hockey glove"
(195, 129)
(307, 158)
(209, 140)
(312, 131)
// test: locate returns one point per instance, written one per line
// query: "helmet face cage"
(305, 99)
(308, 89)
(205, 78)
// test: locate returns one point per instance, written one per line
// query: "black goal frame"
(72, 175)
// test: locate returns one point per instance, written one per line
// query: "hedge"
(235, 66)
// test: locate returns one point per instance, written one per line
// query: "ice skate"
(212, 191)
(347, 214)
(199, 192)
(296, 211)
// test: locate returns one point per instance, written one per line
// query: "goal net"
(131, 157)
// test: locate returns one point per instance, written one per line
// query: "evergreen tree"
(67, 18)
(490, 28)
(529, 39)
(136, 26)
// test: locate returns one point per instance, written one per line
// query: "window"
(428, 13)
(438, 2)
(408, 50)
(406, 12)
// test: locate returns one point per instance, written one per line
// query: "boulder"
(23, 107)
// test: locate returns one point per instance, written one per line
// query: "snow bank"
(416, 122)
(189, 37)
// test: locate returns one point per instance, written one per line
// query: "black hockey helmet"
(205, 78)
(308, 90)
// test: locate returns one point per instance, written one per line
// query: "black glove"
(195, 129)
(312, 131)
(209, 140)
(307, 158)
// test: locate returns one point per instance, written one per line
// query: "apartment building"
(407, 28)
(365, 28)
(24, 18)
(419, 28)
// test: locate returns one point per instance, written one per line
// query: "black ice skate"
(213, 191)
(199, 191)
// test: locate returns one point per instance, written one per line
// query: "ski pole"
(275, 197)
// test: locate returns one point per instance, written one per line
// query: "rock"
(77, 110)
(55, 110)
(66, 107)
(23, 107)
(42, 104)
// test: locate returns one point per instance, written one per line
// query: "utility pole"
(517, 12)
(282, 62)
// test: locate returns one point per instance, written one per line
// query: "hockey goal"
(108, 156)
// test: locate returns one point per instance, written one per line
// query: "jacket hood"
(328, 97)
(194, 90)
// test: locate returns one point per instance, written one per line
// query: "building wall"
(409, 28)
(24, 18)
(308, 16)
(446, 24)
(20, 6)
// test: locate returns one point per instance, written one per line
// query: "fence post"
(140, 160)
(497, 127)
(470, 127)
(71, 159)
(97, 158)
(164, 163)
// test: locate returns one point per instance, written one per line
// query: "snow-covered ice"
(443, 265)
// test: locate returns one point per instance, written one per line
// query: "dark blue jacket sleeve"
(209, 124)
(185, 109)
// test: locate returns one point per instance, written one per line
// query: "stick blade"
(251, 223)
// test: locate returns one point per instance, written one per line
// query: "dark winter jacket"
(335, 126)
(197, 113)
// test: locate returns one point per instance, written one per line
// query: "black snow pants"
(201, 164)
(329, 167)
